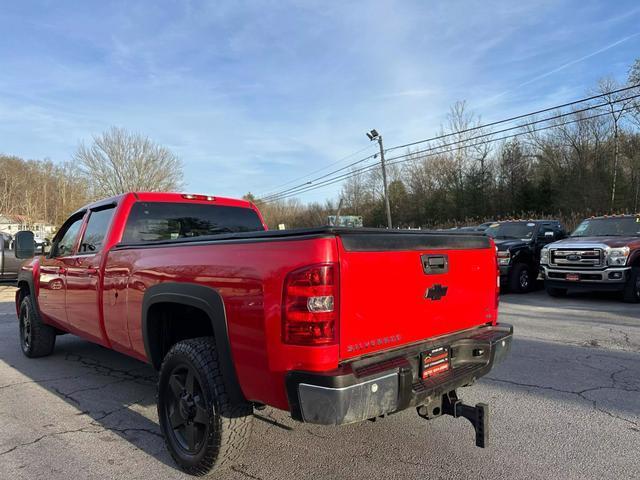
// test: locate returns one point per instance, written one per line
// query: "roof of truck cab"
(171, 197)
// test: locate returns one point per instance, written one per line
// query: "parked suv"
(519, 243)
(603, 253)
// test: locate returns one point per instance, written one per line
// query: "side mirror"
(25, 244)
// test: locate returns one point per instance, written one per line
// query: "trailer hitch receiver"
(478, 415)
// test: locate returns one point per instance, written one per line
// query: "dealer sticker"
(434, 362)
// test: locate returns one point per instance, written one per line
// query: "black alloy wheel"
(37, 339)
(524, 280)
(203, 428)
(185, 409)
(26, 334)
(520, 278)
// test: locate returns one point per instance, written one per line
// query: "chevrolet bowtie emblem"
(435, 292)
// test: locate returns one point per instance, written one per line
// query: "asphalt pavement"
(565, 404)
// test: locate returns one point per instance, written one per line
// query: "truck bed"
(382, 301)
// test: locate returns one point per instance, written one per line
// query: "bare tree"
(119, 161)
(618, 105)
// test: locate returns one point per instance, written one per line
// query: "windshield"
(522, 230)
(608, 227)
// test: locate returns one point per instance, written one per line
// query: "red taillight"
(310, 306)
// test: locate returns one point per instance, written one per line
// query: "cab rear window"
(161, 221)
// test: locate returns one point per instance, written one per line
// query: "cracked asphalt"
(566, 404)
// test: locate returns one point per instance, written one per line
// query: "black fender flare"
(26, 276)
(209, 301)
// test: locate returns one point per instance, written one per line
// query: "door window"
(544, 232)
(64, 246)
(97, 226)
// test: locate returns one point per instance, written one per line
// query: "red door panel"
(52, 295)
(82, 300)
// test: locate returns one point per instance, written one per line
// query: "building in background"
(12, 224)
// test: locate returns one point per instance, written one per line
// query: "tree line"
(114, 162)
(586, 161)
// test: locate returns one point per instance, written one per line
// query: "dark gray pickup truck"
(9, 264)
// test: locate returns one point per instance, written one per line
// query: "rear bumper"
(389, 382)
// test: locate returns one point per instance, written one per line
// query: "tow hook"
(452, 405)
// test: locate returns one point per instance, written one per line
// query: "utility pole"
(373, 134)
(337, 222)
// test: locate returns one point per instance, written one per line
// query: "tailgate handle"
(434, 264)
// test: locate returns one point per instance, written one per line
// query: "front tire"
(202, 429)
(521, 279)
(632, 288)
(37, 339)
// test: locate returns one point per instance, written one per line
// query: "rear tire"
(632, 288)
(521, 279)
(37, 339)
(202, 429)
(555, 292)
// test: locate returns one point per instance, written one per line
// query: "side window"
(544, 232)
(64, 246)
(97, 226)
(160, 221)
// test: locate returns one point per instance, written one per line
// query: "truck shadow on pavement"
(114, 393)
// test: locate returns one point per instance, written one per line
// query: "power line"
(311, 182)
(534, 122)
(268, 197)
(318, 170)
(306, 188)
(517, 117)
(403, 158)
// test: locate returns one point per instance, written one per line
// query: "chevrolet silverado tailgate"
(399, 288)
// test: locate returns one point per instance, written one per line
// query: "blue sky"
(253, 94)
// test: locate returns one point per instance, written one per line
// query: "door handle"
(92, 270)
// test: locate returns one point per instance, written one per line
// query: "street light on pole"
(374, 135)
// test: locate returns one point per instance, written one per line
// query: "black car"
(519, 243)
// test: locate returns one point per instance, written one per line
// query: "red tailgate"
(389, 298)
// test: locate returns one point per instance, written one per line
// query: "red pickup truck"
(333, 325)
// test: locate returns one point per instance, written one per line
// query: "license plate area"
(573, 277)
(434, 361)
